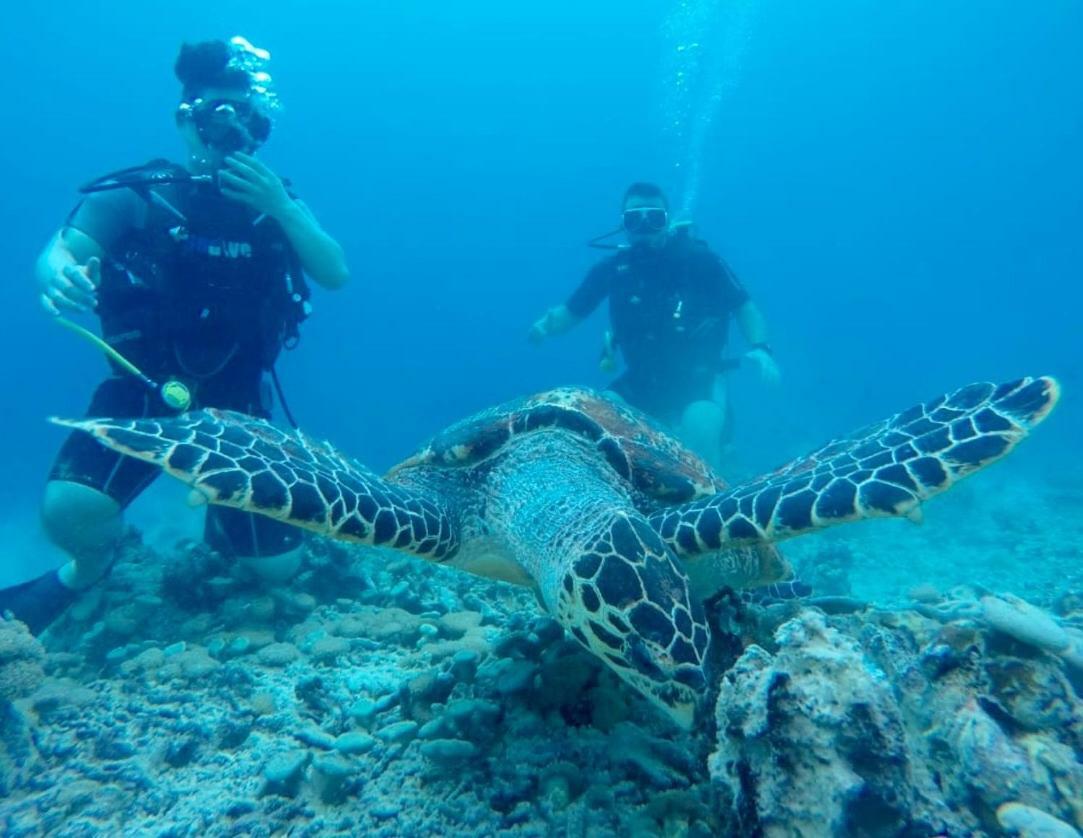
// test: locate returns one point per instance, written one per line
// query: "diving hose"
(173, 392)
(599, 242)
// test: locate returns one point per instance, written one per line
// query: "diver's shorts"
(83, 460)
(665, 397)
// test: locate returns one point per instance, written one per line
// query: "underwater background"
(899, 186)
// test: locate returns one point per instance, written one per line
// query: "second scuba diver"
(670, 303)
(197, 274)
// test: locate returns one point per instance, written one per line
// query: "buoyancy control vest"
(665, 307)
(203, 283)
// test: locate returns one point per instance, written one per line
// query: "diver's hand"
(608, 361)
(72, 287)
(539, 331)
(248, 181)
(769, 370)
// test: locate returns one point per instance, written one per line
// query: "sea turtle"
(590, 503)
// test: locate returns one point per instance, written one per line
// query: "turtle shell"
(632, 444)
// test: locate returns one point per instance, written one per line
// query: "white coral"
(1024, 622)
(1019, 819)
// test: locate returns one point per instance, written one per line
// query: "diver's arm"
(556, 321)
(321, 256)
(562, 318)
(752, 323)
(753, 326)
(68, 271)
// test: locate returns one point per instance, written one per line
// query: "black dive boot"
(37, 602)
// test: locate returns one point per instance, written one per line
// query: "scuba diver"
(670, 302)
(197, 275)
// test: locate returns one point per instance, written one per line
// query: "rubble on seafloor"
(381, 695)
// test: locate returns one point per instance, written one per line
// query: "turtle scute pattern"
(884, 470)
(639, 451)
(246, 463)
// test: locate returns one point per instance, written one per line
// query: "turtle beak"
(684, 714)
(679, 702)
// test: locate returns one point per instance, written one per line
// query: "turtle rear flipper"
(884, 470)
(246, 463)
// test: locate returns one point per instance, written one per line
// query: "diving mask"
(228, 125)
(645, 219)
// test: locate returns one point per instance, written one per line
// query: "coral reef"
(21, 673)
(21, 657)
(812, 742)
(374, 695)
(895, 724)
(385, 696)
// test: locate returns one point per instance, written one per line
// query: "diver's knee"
(703, 417)
(269, 549)
(275, 569)
(79, 519)
(701, 428)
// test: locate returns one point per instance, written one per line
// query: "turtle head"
(627, 601)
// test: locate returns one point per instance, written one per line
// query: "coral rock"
(811, 740)
(1019, 819)
(21, 658)
(278, 654)
(448, 751)
(284, 772)
(1024, 622)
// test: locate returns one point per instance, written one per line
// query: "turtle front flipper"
(885, 470)
(626, 599)
(246, 463)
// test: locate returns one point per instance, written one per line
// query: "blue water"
(898, 185)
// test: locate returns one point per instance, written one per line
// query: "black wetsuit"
(201, 289)
(669, 308)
